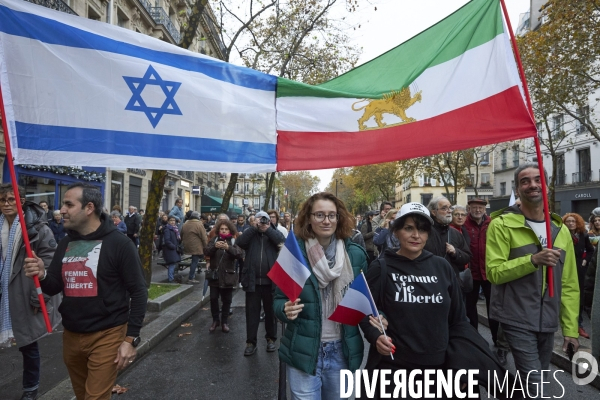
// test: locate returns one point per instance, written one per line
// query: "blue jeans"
(531, 351)
(31, 366)
(325, 384)
(171, 272)
(193, 266)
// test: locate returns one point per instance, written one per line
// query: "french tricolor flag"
(356, 304)
(290, 271)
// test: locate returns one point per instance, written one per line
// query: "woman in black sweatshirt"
(419, 294)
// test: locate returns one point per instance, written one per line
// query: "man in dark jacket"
(99, 272)
(446, 242)
(133, 221)
(262, 245)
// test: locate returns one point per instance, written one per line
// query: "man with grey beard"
(444, 241)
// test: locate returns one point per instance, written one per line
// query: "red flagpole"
(537, 147)
(13, 177)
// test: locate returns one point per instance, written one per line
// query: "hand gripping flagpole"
(377, 312)
(538, 151)
(13, 177)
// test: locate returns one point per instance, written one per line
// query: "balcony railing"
(582, 177)
(215, 34)
(55, 5)
(160, 16)
(561, 180)
(189, 175)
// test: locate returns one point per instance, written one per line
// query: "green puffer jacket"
(300, 342)
(519, 294)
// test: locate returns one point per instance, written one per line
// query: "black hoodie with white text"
(98, 274)
(422, 299)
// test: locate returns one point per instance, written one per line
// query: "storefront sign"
(141, 172)
(583, 196)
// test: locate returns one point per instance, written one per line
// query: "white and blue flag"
(82, 92)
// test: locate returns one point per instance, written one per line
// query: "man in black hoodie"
(444, 241)
(100, 275)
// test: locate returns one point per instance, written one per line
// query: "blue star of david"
(136, 103)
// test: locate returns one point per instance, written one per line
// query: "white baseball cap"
(261, 214)
(414, 208)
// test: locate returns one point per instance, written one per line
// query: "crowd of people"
(436, 260)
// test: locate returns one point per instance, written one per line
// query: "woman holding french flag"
(315, 348)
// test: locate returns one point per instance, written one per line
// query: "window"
(584, 165)
(470, 180)
(502, 188)
(426, 198)
(560, 169)
(485, 158)
(237, 187)
(408, 196)
(426, 180)
(503, 158)
(451, 198)
(557, 125)
(515, 156)
(485, 179)
(583, 114)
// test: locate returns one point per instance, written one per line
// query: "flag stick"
(376, 312)
(538, 150)
(15, 185)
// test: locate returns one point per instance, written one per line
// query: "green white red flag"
(453, 86)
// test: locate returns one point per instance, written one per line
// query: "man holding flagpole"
(517, 260)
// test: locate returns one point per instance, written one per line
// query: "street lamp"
(336, 184)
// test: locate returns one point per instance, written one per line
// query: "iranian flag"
(453, 86)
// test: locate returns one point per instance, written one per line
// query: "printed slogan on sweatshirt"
(80, 268)
(408, 292)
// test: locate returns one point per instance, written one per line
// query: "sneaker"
(262, 316)
(270, 345)
(29, 395)
(501, 354)
(193, 281)
(250, 349)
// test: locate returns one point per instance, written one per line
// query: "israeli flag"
(82, 92)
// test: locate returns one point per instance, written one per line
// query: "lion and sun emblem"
(395, 102)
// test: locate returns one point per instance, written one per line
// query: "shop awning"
(212, 204)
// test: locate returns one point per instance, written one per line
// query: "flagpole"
(538, 150)
(377, 312)
(15, 185)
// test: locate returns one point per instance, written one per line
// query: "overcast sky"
(396, 21)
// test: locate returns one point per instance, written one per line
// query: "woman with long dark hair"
(223, 252)
(583, 255)
(314, 348)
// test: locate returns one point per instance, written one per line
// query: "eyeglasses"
(10, 201)
(445, 208)
(459, 215)
(320, 217)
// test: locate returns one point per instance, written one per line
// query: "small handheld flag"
(513, 199)
(290, 271)
(356, 304)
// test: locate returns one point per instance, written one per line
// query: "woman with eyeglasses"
(459, 217)
(314, 348)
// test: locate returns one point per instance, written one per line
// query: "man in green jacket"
(517, 262)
